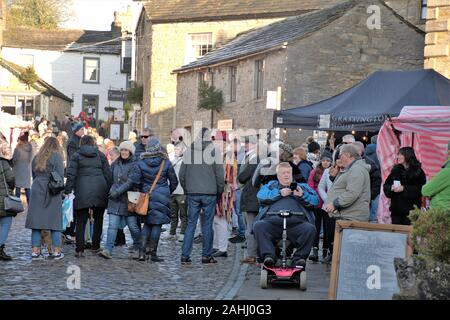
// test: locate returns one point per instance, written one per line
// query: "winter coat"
(140, 148)
(412, 181)
(73, 146)
(350, 193)
(270, 193)
(89, 176)
(121, 171)
(305, 168)
(23, 155)
(371, 152)
(176, 165)
(438, 188)
(143, 175)
(5, 169)
(45, 209)
(249, 201)
(375, 178)
(315, 185)
(201, 178)
(325, 185)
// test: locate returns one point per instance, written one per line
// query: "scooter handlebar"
(285, 213)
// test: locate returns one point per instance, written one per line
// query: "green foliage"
(431, 233)
(209, 98)
(127, 108)
(135, 94)
(40, 14)
(29, 76)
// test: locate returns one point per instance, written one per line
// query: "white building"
(86, 66)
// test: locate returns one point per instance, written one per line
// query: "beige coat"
(350, 192)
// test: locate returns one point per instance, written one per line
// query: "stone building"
(295, 62)
(172, 33)
(2, 20)
(91, 67)
(37, 99)
(437, 40)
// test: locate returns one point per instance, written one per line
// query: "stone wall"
(247, 112)
(168, 52)
(2, 20)
(408, 9)
(437, 50)
(344, 53)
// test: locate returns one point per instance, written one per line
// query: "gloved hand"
(113, 194)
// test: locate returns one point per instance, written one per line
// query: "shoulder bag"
(141, 206)
(12, 204)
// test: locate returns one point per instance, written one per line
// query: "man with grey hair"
(349, 197)
(140, 145)
(347, 139)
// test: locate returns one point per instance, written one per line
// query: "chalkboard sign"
(363, 260)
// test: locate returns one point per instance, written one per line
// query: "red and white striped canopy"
(427, 130)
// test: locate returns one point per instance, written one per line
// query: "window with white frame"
(91, 70)
(423, 9)
(198, 44)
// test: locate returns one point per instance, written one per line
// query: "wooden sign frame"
(344, 224)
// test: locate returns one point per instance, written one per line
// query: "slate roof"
(277, 35)
(165, 11)
(39, 85)
(62, 40)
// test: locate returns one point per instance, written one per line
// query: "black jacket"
(375, 178)
(249, 201)
(89, 176)
(73, 146)
(412, 180)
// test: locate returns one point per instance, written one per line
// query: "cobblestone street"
(118, 278)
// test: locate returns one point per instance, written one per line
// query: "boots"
(3, 255)
(153, 249)
(315, 255)
(142, 249)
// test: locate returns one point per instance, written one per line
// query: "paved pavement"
(118, 278)
(124, 278)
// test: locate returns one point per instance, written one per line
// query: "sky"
(97, 14)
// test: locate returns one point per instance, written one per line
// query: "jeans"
(151, 234)
(82, 217)
(373, 209)
(5, 226)
(36, 238)
(195, 204)
(27, 194)
(251, 241)
(237, 209)
(115, 222)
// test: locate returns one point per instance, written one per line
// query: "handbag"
(56, 183)
(141, 206)
(12, 204)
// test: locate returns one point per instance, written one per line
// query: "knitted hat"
(77, 126)
(326, 155)
(127, 145)
(286, 148)
(313, 147)
(153, 147)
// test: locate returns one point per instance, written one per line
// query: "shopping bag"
(67, 210)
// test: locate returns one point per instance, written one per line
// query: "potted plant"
(426, 275)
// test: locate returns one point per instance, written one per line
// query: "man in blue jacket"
(276, 196)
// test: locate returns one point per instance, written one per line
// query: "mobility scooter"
(283, 272)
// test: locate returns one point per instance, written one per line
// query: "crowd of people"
(233, 195)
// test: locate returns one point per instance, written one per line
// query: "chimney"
(437, 39)
(116, 25)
